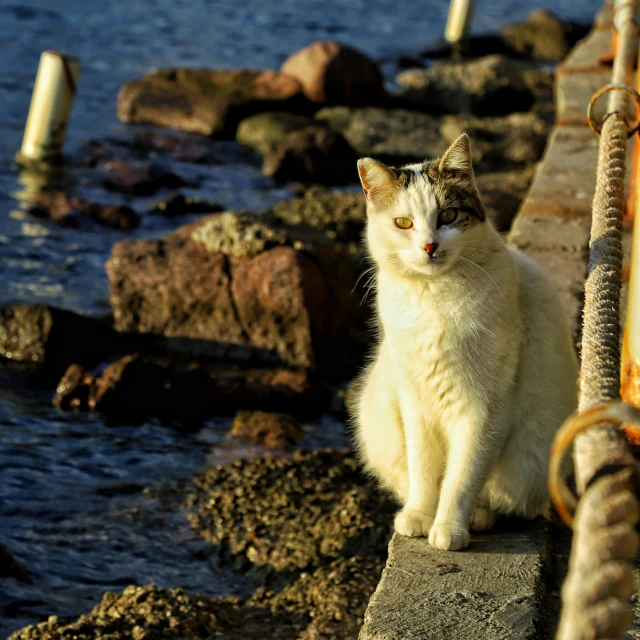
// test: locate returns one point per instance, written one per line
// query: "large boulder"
(259, 132)
(255, 508)
(492, 85)
(211, 102)
(50, 339)
(244, 280)
(395, 136)
(332, 74)
(312, 155)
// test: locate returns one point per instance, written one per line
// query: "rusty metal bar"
(630, 376)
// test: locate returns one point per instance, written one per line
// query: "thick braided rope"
(600, 373)
(600, 580)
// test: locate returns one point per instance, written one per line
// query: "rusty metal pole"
(630, 376)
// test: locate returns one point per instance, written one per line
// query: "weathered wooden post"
(53, 94)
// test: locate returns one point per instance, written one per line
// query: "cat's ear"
(458, 156)
(376, 178)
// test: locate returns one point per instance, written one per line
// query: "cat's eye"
(448, 216)
(403, 223)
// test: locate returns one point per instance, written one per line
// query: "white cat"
(474, 370)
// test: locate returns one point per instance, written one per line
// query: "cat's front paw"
(413, 523)
(448, 536)
(482, 519)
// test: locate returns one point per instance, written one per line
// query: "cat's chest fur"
(450, 344)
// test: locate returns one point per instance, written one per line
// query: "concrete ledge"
(564, 183)
(580, 75)
(492, 591)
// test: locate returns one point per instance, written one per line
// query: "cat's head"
(424, 219)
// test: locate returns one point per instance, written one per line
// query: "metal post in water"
(459, 20)
(53, 94)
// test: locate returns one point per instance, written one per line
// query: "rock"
(143, 613)
(54, 205)
(11, 568)
(139, 178)
(283, 515)
(539, 81)
(74, 389)
(115, 216)
(94, 153)
(51, 339)
(335, 74)
(179, 148)
(394, 136)
(328, 602)
(263, 129)
(543, 36)
(296, 392)
(62, 209)
(502, 193)
(178, 204)
(470, 48)
(310, 530)
(133, 389)
(499, 142)
(492, 85)
(210, 102)
(315, 155)
(136, 388)
(275, 430)
(238, 280)
(241, 235)
(340, 215)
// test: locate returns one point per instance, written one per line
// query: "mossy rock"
(259, 132)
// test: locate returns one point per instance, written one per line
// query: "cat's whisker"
(476, 265)
(369, 285)
(362, 275)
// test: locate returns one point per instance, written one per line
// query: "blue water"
(85, 507)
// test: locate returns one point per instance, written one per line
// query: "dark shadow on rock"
(135, 388)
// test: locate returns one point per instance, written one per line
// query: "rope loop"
(613, 86)
(618, 413)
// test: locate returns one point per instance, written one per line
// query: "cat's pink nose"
(430, 248)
